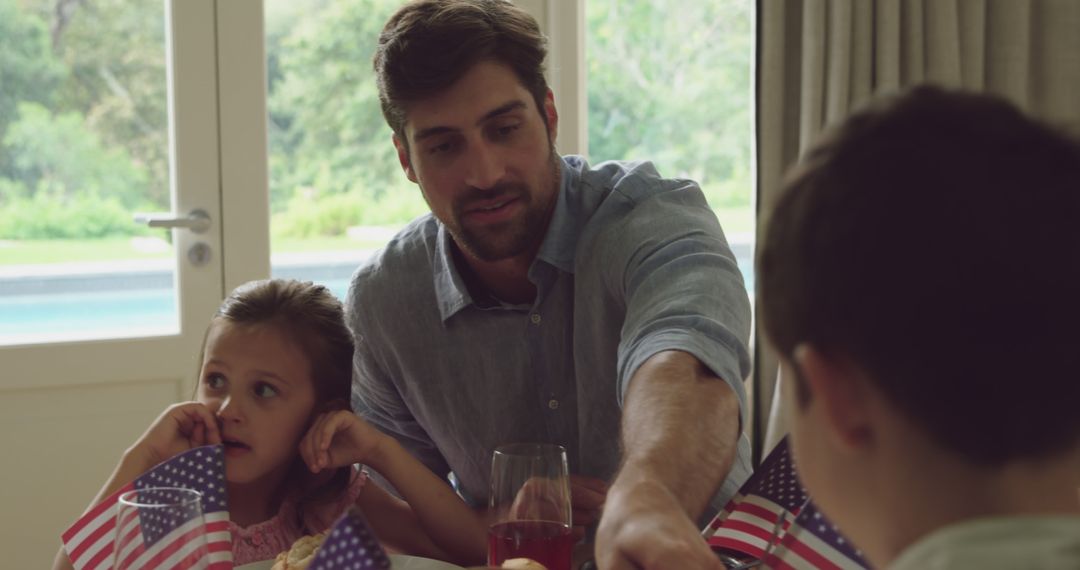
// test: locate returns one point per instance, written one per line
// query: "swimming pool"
(140, 303)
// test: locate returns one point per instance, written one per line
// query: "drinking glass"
(530, 499)
(160, 527)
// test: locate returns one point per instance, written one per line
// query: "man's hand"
(665, 482)
(644, 527)
(587, 496)
(542, 499)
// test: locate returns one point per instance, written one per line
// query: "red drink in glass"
(548, 543)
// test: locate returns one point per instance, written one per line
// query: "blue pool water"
(69, 314)
(81, 312)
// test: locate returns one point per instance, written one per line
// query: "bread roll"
(300, 555)
(523, 564)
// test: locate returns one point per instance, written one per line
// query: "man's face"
(485, 161)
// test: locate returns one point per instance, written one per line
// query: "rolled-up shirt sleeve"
(682, 288)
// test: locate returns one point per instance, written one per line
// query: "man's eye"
(264, 390)
(506, 131)
(441, 148)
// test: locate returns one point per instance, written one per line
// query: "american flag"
(351, 545)
(813, 542)
(156, 542)
(772, 519)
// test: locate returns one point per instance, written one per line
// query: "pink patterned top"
(264, 540)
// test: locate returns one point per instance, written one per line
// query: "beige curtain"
(819, 59)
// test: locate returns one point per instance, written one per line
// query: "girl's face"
(258, 383)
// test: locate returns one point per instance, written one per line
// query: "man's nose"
(485, 168)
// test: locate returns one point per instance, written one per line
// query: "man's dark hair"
(934, 241)
(428, 45)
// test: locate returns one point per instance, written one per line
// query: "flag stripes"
(153, 538)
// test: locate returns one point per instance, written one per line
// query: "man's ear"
(403, 158)
(839, 389)
(552, 115)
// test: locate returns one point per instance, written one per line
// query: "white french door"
(72, 400)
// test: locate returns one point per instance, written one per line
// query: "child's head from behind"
(921, 272)
(277, 352)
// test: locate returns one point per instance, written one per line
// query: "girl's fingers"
(316, 442)
(309, 445)
(332, 425)
(213, 433)
(317, 445)
(198, 415)
(198, 434)
(321, 441)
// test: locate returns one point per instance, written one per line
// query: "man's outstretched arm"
(680, 430)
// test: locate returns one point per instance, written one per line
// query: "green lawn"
(733, 220)
(66, 250)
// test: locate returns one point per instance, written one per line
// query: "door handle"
(198, 221)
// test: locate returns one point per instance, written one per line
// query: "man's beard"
(512, 237)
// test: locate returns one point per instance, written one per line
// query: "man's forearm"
(680, 429)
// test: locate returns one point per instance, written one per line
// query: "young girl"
(274, 388)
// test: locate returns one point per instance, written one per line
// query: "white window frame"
(563, 22)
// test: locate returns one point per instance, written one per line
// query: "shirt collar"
(558, 248)
(450, 291)
(560, 244)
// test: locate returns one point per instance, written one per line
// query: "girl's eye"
(214, 381)
(264, 390)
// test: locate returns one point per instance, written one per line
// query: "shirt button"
(535, 318)
(553, 404)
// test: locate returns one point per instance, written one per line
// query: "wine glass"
(160, 527)
(530, 499)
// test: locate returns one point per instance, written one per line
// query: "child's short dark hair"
(313, 318)
(934, 239)
(427, 45)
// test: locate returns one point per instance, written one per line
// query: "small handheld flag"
(160, 542)
(351, 545)
(772, 520)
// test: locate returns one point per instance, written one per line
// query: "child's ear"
(838, 388)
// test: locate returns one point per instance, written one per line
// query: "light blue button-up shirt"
(632, 264)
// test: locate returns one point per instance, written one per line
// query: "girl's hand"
(179, 428)
(339, 438)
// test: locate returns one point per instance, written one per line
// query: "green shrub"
(327, 216)
(309, 215)
(48, 215)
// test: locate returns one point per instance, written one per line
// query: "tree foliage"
(328, 136)
(83, 129)
(669, 81)
(28, 70)
(83, 108)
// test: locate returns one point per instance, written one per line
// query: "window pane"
(670, 81)
(83, 145)
(336, 189)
